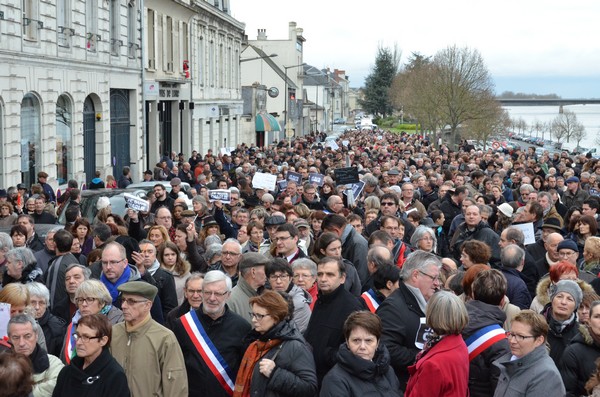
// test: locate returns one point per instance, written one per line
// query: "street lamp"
(287, 98)
(255, 58)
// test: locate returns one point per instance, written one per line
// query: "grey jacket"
(302, 311)
(535, 374)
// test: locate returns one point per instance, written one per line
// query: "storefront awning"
(266, 122)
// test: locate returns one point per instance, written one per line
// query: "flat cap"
(188, 213)
(572, 179)
(274, 220)
(175, 181)
(394, 171)
(253, 259)
(140, 288)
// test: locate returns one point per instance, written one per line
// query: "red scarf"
(254, 353)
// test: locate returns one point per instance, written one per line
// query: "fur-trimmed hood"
(542, 291)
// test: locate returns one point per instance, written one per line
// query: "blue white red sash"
(371, 300)
(484, 338)
(70, 351)
(209, 353)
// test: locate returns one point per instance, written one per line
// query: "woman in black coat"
(278, 362)
(363, 363)
(94, 372)
(578, 361)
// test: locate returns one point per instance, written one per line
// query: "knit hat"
(571, 288)
(567, 244)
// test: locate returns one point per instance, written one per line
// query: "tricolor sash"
(371, 300)
(484, 338)
(209, 353)
(70, 350)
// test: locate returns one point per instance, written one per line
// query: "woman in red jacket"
(442, 368)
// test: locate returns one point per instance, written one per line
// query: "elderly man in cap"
(574, 196)
(48, 191)
(212, 324)
(568, 251)
(148, 352)
(252, 279)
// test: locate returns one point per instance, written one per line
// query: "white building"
(70, 79)
(277, 64)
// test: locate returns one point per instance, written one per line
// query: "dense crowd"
(374, 264)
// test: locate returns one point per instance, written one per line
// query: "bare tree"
(494, 123)
(579, 133)
(564, 125)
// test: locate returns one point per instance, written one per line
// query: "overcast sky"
(531, 46)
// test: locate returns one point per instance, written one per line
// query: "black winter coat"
(559, 340)
(450, 210)
(353, 376)
(401, 319)
(227, 335)
(324, 331)
(294, 374)
(483, 376)
(482, 232)
(578, 363)
(103, 378)
(54, 329)
(164, 281)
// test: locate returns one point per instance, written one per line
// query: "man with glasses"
(192, 292)
(252, 280)
(568, 251)
(75, 274)
(162, 199)
(212, 322)
(403, 312)
(390, 207)
(22, 335)
(231, 254)
(148, 352)
(286, 240)
(410, 202)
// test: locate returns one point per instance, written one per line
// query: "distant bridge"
(548, 102)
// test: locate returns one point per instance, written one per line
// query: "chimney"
(262, 34)
(293, 31)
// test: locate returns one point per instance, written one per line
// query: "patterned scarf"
(432, 340)
(254, 353)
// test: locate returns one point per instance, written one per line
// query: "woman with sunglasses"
(93, 372)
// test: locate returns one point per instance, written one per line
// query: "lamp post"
(287, 98)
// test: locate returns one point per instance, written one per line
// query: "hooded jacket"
(483, 375)
(353, 376)
(578, 362)
(294, 374)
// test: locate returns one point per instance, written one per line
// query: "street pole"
(287, 98)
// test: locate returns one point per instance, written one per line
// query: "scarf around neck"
(254, 353)
(112, 288)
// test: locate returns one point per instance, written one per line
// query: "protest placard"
(332, 144)
(346, 176)
(316, 179)
(4, 318)
(357, 189)
(262, 180)
(136, 203)
(223, 195)
(282, 184)
(294, 176)
(528, 232)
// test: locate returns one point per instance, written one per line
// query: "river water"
(588, 115)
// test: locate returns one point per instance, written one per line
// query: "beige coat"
(152, 360)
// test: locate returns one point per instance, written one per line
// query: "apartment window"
(91, 22)
(64, 116)
(201, 60)
(31, 139)
(151, 39)
(211, 63)
(185, 57)
(229, 68)
(63, 23)
(31, 21)
(115, 24)
(221, 66)
(132, 29)
(168, 47)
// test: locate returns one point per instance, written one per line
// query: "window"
(91, 23)
(211, 63)
(133, 44)
(151, 35)
(221, 65)
(31, 22)
(168, 48)
(115, 24)
(201, 59)
(184, 45)
(63, 23)
(31, 142)
(63, 138)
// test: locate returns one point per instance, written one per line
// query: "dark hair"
(100, 324)
(323, 242)
(383, 274)
(455, 283)
(63, 240)
(72, 213)
(591, 222)
(390, 196)
(81, 222)
(278, 265)
(331, 259)
(288, 227)
(274, 303)
(370, 322)
(536, 209)
(18, 229)
(333, 220)
(16, 374)
(436, 214)
(489, 287)
(380, 235)
(102, 231)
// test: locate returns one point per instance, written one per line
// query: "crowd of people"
(430, 272)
